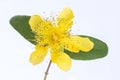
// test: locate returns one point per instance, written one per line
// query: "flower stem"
(47, 70)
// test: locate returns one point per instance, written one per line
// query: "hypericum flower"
(54, 35)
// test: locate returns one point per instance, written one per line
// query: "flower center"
(55, 37)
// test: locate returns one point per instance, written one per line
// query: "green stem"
(47, 70)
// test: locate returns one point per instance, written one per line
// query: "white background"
(97, 18)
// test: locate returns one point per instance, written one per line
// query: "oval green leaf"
(20, 23)
(100, 50)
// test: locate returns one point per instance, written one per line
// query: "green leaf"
(100, 50)
(21, 24)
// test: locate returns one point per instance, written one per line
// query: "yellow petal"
(85, 44)
(62, 60)
(40, 26)
(70, 45)
(77, 43)
(38, 55)
(35, 22)
(65, 19)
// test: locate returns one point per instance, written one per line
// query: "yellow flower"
(54, 35)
